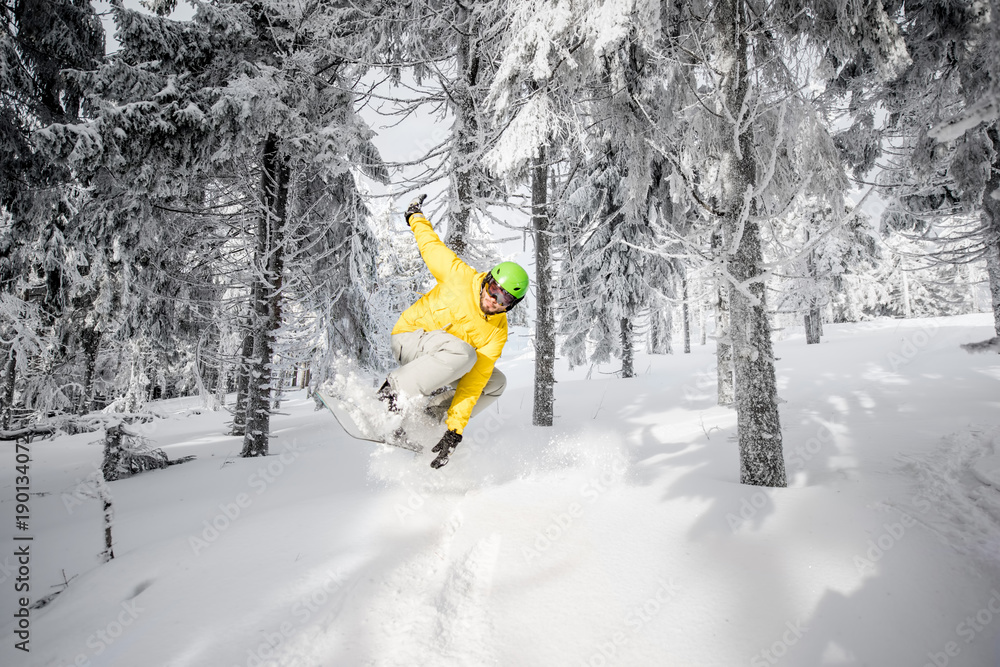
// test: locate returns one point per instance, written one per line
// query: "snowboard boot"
(388, 396)
(439, 403)
(437, 412)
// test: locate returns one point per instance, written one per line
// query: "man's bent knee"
(464, 356)
(496, 384)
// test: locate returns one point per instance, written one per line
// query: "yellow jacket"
(453, 305)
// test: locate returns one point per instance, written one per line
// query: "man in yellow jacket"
(454, 333)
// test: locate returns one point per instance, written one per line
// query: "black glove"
(415, 207)
(449, 441)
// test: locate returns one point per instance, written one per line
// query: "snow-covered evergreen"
(236, 127)
(199, 229)
(191, 214)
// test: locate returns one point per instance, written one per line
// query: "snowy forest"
(749, 409)
(204, 209)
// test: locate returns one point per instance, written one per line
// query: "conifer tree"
(938, 148)
(742, 157)
(451, 52)
(224, 113)
(39, 41)
(553, 59)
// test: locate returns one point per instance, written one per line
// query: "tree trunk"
(222, 386)
(660, 324)
(991, 215)
(759, 429)
(723, 337)
(464, 130)
(243, 382)
(279, 394)
(275, 174)
(813, 321)
(993, 268)
(724, 351)
(653, 339)
(628, 349)
(7, 391)
(109, 473)
(653, 345)
(686, 313)
(545, 335)
(701, 322)
(907, 309)
(761, 458)
(91, 343)
(970, 279)
(139, 385)
(813, 316)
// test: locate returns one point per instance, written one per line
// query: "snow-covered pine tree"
(626, 97)
(473, 40)
(586, 64)
(604, 283)
(939, 137)
(524, 100)
(761, 458)
(751, 66)
(39, 40)
(991, 223)
(444, 56)
(917, 286)
(569, 224)
(344, 276)
(832, 248)
(235, 104)
(664, 262)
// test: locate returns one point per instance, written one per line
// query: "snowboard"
(343, 416)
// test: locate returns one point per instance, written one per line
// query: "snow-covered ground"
(619, 536)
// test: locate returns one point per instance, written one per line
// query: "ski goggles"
(502, 296)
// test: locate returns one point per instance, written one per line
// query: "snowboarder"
(454, 333)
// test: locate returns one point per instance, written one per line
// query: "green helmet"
(512, 278)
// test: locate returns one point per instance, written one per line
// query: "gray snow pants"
(430, 360)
